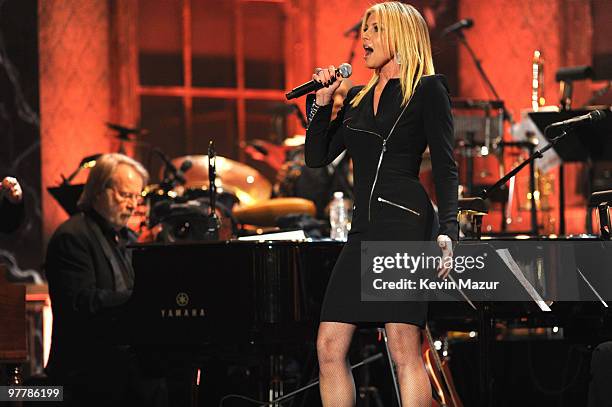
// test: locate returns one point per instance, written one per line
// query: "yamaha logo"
(182, 299)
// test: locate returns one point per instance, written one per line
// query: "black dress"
(390, 202)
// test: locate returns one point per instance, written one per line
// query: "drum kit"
(242, 198)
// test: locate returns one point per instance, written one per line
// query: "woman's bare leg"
(337, 386)
(405, 348)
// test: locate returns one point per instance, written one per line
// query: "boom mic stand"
(481, 71)
(535, 155)
(294, 393)
(486, 325)
(506, 114)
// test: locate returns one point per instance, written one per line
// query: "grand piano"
(228, 292)
(190, 297)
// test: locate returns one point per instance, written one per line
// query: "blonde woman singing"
(385, 126)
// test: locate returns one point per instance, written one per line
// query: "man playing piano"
(90, 275)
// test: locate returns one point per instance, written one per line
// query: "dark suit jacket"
(83, 297)
(11, 215)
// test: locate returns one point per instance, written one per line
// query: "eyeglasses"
(124, 196)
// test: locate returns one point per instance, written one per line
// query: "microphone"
(591, 117)
(344, 70)
(458, 26)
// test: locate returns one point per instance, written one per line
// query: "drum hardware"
(533, 193)
(474, 208)
(478, 129)
(244, 182)
(478, 123)
(172, 176)
(602, 200)
(272, 154)
(566, 77)
(266, 213)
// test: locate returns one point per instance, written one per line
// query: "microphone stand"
(506, 114)
(353, 46)
(535, 155)
(313, 383)
(170, 179)
(213, 224)
(463, 40)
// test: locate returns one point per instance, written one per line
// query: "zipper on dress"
(384, 148)
(380, 199)
(365, 131)
(382, 153)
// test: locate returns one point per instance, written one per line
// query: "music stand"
(584, 143)
(67, 196)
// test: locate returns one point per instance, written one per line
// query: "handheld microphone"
(345, 70)
(591, 117)
(458, 26)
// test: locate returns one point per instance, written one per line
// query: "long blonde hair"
(404, 33)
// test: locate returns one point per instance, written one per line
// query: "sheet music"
(550, 159)
(505, 255)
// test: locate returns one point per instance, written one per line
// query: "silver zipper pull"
(384, 146)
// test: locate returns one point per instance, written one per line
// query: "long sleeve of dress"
(325, 139)
(440, 138)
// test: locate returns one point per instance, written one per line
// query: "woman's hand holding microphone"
(331, 80)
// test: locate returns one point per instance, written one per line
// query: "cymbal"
(266, 212)
(245, 182)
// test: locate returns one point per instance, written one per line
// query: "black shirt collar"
(108, 229)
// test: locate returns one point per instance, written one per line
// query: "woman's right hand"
(325, 76)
